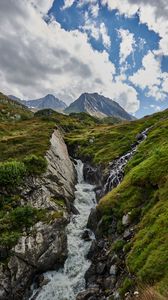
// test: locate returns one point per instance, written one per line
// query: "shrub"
(118, 245)
(35, 164)
(127, 285)
(11, 173)
(9, 239)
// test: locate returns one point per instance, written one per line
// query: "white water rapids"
(66, 283)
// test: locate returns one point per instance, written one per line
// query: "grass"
(144, 193)
(25, 138)
(102, 143)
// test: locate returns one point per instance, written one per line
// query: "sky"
(118, 48)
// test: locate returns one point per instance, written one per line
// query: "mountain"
(49, 101)
(98, 106)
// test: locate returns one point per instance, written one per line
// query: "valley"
(38, 184)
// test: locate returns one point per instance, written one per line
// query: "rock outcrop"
(44, 246)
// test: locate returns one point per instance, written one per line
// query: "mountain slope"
(98, 106)
(49, 101)
(11, 110)
(132, 218)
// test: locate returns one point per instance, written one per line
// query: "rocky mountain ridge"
(48, 101)
(98, 106)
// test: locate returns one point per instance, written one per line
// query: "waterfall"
(117, 166)
(66, 283)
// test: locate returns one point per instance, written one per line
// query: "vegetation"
(143, 193)
(102, 143)
(24, 140)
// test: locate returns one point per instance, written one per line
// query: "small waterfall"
(117, 166)
(66, 283)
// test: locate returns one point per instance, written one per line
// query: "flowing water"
(117, 166)
(66, 283)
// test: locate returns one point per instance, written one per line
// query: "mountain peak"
(49, 101)
(99, 106)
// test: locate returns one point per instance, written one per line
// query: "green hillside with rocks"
(140, 243)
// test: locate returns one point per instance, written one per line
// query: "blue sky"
(67, 47)
(145, 40)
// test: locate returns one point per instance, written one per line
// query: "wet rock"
(87, 235)
(140, 136)
(100, 269)
(85, 295)
(92, 250)
(93, 220)
(109, 283)
(41, 281)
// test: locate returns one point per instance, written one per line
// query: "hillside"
(140, 245)
(98, 106)
(131, 220)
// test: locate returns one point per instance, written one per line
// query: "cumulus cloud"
(96, 30)
(39, 58)
(154, 13)
(68, 3)
(150, 77)
(126, 96)
(127, 44)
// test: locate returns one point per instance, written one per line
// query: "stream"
(66, 283)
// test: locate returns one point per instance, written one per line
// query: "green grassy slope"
(143, 192)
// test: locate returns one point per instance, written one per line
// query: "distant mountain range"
(98, 106)
(94, 104)
(49, 101)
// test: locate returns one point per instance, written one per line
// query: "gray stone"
(85, 295)
(127, 234)
(113, 270)
(126, 220)
(100, 269)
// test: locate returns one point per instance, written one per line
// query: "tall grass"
(149, 294)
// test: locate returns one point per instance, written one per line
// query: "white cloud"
(68, 3)
(39, 58)
(155, 107)
(96, 30)
(149, 74)
(126, 96)
(150, 77)
(94, 9)
(127, 44)
(154, 13)
(105, 37)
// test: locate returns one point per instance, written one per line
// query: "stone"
(126, 220)
(87, 293)
(127, 234)
(114, 259)
(101, 267)
(113, 270)
(87, 235)
(93, 220)
(109, 283)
